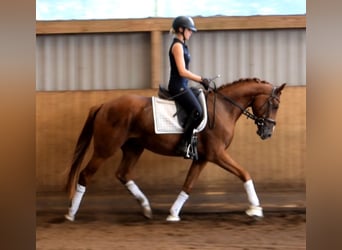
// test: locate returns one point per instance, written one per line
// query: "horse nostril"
(266, 135)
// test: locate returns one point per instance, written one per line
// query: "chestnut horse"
(127, 123)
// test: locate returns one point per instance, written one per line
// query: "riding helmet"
(183, 22)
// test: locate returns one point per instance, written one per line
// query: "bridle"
(259, 121)
(269, 103)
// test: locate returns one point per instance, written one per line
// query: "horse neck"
(242, 93)
(247, 90)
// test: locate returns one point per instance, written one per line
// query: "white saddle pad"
(165, 120)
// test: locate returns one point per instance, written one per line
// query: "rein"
(244, 111)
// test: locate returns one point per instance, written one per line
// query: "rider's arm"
(177, 51)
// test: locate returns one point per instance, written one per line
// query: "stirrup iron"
(191, 149)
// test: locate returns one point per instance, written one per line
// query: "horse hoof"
(255, 211)
(147, 212)
(172, 218)
(69, 217)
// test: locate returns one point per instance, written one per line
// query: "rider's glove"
(205, 83)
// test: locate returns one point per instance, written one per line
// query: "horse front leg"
(192, 176)
(224, 160)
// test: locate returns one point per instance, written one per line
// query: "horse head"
(265, 108)
(261, 96)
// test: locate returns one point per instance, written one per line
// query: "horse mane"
(244, 80)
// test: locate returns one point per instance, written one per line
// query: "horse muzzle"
(266, 127)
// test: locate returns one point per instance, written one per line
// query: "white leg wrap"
(139, 195)
(251, 194)
(75, 202)
(254, 210)
(134, 189)
(177, 206)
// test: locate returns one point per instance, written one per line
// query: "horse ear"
(280, 88)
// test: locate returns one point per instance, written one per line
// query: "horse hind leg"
(141, 198)
(131, 153)
(106, 141)
(85, 175)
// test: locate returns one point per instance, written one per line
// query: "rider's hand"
(205, 83)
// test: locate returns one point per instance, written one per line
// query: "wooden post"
(156, 58)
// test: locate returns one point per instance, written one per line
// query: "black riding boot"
(183, 145)
(187, 145)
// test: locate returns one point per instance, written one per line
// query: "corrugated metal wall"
(277, 56)
(122, 60)
(93, 62)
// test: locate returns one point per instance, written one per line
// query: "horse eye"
(274, 105)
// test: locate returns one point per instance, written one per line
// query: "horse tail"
(82, 145)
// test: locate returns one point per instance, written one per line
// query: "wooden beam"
(250, 22)
(156, 58)
(164, 24)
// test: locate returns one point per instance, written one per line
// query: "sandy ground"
(204, 225)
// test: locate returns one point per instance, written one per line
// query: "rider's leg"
(190, 125)
(195, 114)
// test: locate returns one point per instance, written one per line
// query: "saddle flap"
(165, 120)
(180, 112)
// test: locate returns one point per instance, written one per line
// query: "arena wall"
(274, 163)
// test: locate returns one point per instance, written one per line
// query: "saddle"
(180, 113)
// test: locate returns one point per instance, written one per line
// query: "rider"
(179, 56)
